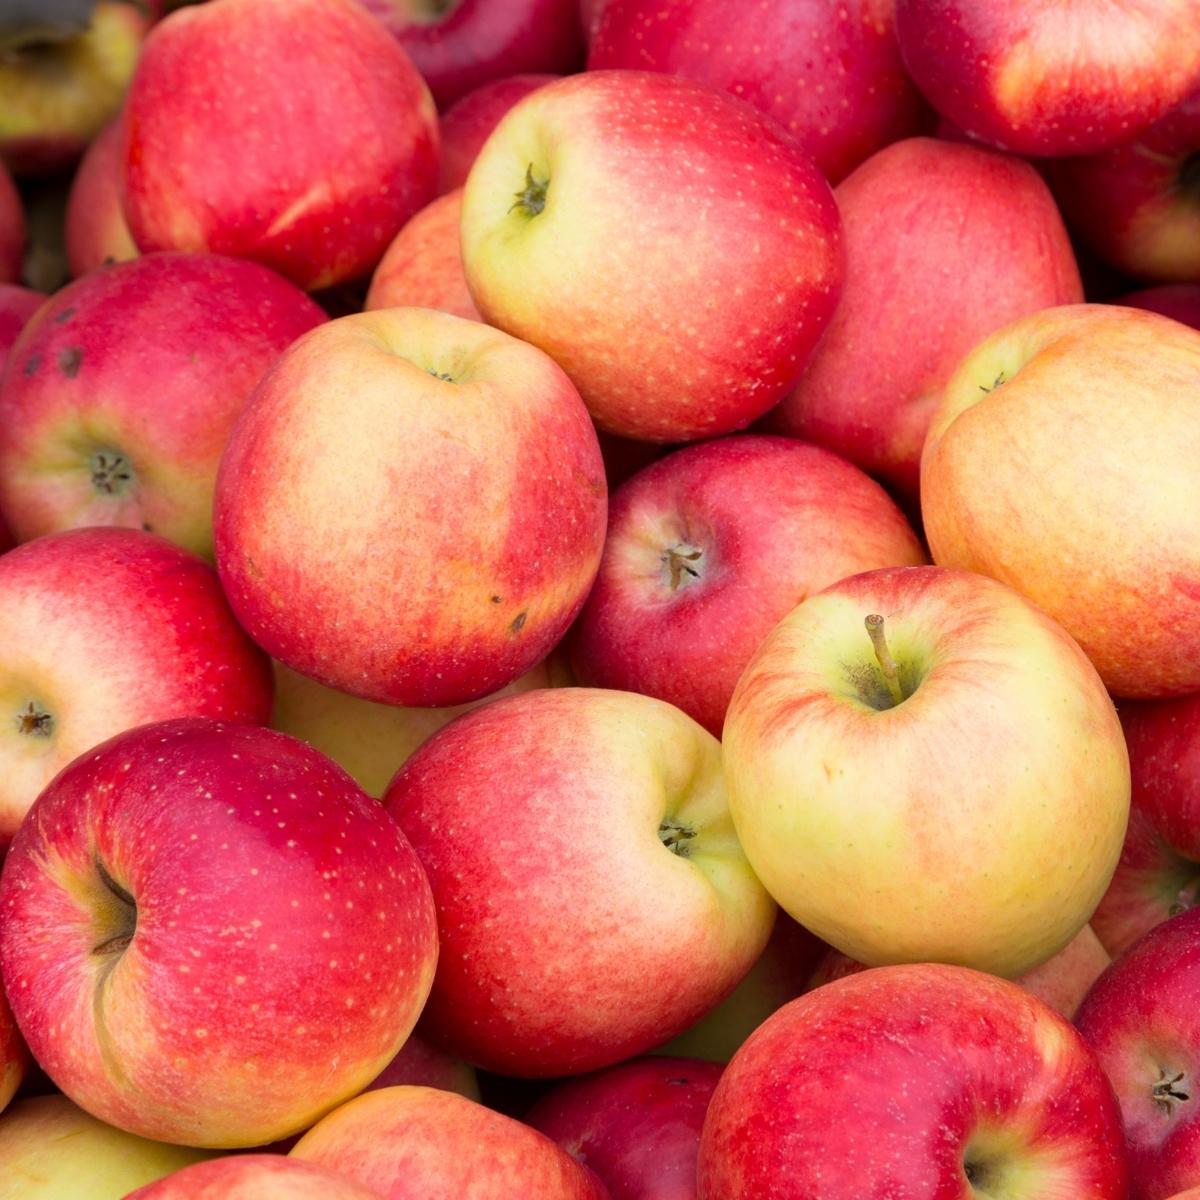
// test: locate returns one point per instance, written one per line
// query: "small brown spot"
(497, 599)
(64, 316)
(518, 622)
(70, 360)
(32, 363)
(146, 527)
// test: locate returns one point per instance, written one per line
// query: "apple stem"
(887, 664)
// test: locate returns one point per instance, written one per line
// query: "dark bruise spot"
(518, 622)
(64, 316)
(497, 599)
(146, 527)
(32, 363)
(70, 360)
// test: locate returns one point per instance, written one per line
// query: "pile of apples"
(600, 601)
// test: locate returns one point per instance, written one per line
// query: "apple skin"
(293, 132)
(713, 545)
(49, 1146)
(582, 788)
(12, 229)
(413, 1143)
(96, 229)
(1136, 204)
(14, 1055)
(637, 1125)
(1140, 1020)
(254, 1177)
(17, 306)
(265, 934)
(59, 95)
(895, 1081)
(736, 249)
(124, 389)
(474, 42)
(913, 216)
(372, 741)
(1119, 386)
(102, 630)
(422, 268)
(1179, 301)
(868, 833)
(487, 514)
(1050, 79)
(831, 75)
(468, 123)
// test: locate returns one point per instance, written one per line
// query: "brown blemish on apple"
(518, 622)
(64, 316)
(31, 364)
(70, 360)
(497, 599)
(34, 721)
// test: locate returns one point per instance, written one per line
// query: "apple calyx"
(120, 922)
(676, 836)
(531, 199)
(887, 664)
(999, 381)
(678, 560)
(442, 375)
(112, 472)
(35, 721)
(1167, 1092)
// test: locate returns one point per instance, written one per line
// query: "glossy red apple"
(1140, 1020)
(460, 45)
(126, 385)
(709, 548)
(293, 132)
(637, 1125)
(1179, 301)
(96, 229)
(211, 935)
(254, 1177)
(1051, 79)
(924, 222)
(735, 249)
(12, 229)
(912, 1082)
(830, 74)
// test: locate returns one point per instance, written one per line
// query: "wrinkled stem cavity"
(887, 664)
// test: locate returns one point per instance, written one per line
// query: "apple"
(637, 1125)
(12, 230)
(210, 935)
(570, 834)
(96, 229)
(460, 45)
(1179, 301)
(49, 1148)
(411, 508)
(713, 545)
(912, 1082)
(254, 1177)
(124, 389)
(1137, 205)
(1091, 521)
(293, 132)
(469, 121)
(1050, 79)
(420, 1064)
(1061, 981)
(62, 84)
(676, 253)
(925, 221)
(102, 630)
(422, 268)
(17, 305)
(1140, 1020)
(414, 1143)
(830, 74)
(922, 766)
(372, 741)
(14, 1056)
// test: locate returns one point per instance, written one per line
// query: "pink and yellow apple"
(411, 455)
(293, 132)
(96, 229)
(674, 251)
(254, 1177)
(923, 767)
(608, 806)
(1092, 519)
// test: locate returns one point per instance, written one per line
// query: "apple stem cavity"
(887, 664)
(35, 721)
(111, 472)
(678, 561)
(675, 836)
(124, 922)
(531, 199)
(999, 381)
(1167, 1093)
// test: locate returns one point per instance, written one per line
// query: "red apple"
(924, 222)
(124, 389)
(863, 823)
(460, 45)
(673, 250)
(254, 1177)
(102, 630)
(468, 123)
(913, 1082)
(486, 507)
(1069, 77)
(422, 268)
(709, 548)
(14, 1056)
(293, 132)
(636, 1125)
(410, 1143)
(1179, 301)
(1140, 1019)
(1137, 205)
(569, 835)
(211, 935)
(830, 74)
(62, 86)
(12, 229)
(1092, 520)
(17, 305)
(96, 229)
